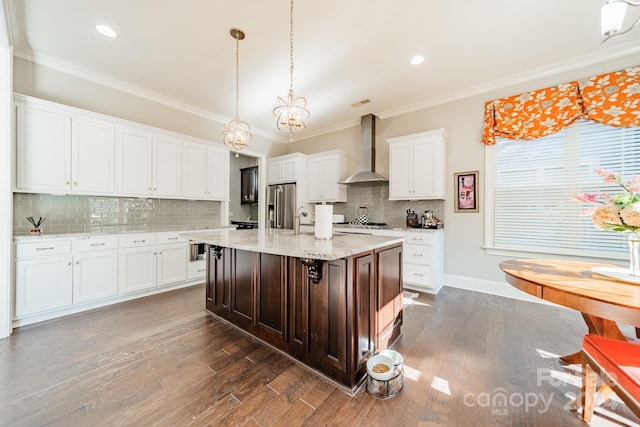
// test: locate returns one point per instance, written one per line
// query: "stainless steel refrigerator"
(281, 205)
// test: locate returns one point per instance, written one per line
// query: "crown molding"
(83, 73)
(620, 51)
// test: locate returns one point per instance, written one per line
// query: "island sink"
(329, 304)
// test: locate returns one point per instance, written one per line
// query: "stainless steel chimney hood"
(367, 154)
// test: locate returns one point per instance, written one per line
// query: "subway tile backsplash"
(79, 214)
(375, 197)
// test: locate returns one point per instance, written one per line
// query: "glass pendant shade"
(237, 134)
(291, 112)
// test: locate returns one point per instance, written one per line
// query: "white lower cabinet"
(95, 268)
(147, 260)
(43, 283)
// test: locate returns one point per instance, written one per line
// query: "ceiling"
(180, 52)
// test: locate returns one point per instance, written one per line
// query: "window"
(529, 205)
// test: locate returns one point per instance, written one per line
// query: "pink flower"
(608, 177)
(634, 185)
(586, 198)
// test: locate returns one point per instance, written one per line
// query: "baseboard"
(502, 289)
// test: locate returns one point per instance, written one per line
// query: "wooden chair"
(618, 364)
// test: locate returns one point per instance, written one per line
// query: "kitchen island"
(330, 304)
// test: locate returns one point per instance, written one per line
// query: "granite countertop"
(110, 232)
(284, 242)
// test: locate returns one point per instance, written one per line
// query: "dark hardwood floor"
(472, 359)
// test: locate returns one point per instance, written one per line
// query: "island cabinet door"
(364, 310)
(271, 299)
(242, 288)
(299, 287)
(389, 297)
(328, 319)
(218, 281)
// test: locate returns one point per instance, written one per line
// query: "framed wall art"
(466, 188)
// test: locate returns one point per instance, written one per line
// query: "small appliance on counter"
(412, 218)
(429, 220)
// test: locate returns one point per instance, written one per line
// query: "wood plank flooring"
(163, 361)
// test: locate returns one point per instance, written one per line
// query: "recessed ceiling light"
(417, 60)
(106, 30)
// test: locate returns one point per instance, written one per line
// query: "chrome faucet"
(296, 220)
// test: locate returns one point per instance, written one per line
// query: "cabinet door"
(195, 171)
(400, 172)
(95, 275)
(167, 167)
(274, 172)
(43, 150)
(365, 308)
(135, 151)
(43, 284)
(249, 185)
(218, 172)
(315, 181)
(289, 170)
(389, 296)
(172, 263)
(271, 301)
(428, 176)
(218, 282)
(328, 318)
(329, 178)
(137, 269)
(92, 157)
(242, 288)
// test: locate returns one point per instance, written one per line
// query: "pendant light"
(237, 134)
(291, 112)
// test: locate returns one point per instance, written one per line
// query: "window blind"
(533, 182)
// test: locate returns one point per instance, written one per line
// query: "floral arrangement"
(619, 213)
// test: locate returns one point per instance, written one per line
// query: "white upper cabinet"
(43, 150)
(92, 157)
(286, 168)
(148, 165)
(324, 171)
(61, 149)
(206, 172)
(417, 166)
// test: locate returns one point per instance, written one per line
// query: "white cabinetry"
(60, 153)
(324, 171)
(148, 164)
(95, 268)
(43, 276)
(288, 168)
(422, 258)
(417, 166)
(206, 172)
(147, 260)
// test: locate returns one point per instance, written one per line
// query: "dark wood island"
(330, 304)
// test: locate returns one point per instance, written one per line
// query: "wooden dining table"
(602, 300)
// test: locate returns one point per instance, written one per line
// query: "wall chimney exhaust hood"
(367, 154)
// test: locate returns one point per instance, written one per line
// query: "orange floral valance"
(612, 99)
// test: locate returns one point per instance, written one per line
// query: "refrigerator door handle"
(279, 207)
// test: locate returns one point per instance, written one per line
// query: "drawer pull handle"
(418, 238)
(139, 241)
(200, 271)
(97, 244)
(418, 274)
(417, 254)
(173, 238)
(45, 249)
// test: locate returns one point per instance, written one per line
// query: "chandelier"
(612, 18)
(291, 112)
(237, 134)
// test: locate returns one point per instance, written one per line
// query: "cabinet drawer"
(419, 238)
(170, 237)
(95, 244)
(417, 254)
(196, 269)
(50, 247)
(135, 240)
(418, 274)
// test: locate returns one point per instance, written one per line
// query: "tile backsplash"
(79, 214)
(375, 197)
